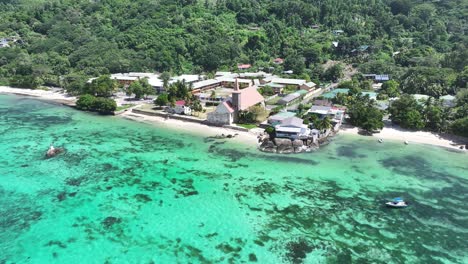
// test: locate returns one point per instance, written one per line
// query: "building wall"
(220, 118)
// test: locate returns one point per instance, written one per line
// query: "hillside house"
(278, 61)
(244, 66)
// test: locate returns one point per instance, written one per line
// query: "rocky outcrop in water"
(286, 146)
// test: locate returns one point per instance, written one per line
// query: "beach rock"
(298, 150)
(270, 150)
(285, 149)
(267, 144)
(282, 142)
(297, 143)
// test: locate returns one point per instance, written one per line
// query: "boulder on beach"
(283, 142)
(297, 143)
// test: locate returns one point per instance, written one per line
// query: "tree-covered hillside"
(68, 40)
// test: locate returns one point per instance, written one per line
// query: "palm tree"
(324, 124)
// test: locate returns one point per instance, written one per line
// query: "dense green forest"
(63, 41)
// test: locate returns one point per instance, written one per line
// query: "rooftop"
(448, 97)
(288, 98)
(292, 122)
(244, 66)
(288, 81)
(281, 116)
(249, 97)
(197, 85)
(333, 93)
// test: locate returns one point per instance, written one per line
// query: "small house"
(278, 61)
(181, 108)
(222, 115)
(309, 86)
(244, 66)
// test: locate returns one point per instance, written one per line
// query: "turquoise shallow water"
(127, 192)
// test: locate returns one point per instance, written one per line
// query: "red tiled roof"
(243, 66)
(249, 97)
(228, 105)
(181, 102)
(278, 60)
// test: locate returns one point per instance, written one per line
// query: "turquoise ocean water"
(127, 192)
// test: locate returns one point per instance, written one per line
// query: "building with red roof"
(278, 61)
(243, 66)
(241, 100)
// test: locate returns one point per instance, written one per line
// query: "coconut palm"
(324, 124)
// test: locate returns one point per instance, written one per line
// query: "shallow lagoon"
(127, 192)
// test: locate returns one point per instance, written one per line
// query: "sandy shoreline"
(51, 95)
(419, 137)
(193, 128)
(397, 134)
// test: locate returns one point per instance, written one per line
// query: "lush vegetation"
(253, 115)
(363, 113)
(431, 114)
(422, 44)
(140, 89)
(101, 105)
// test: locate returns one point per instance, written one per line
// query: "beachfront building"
(180, 108)
(280, 117)
(241, 100)
(292, 128)
(222, 115)
(335, 114)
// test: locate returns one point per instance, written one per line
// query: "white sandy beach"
(398, 134)
(53, 95)
(249, 138)
(390, 133)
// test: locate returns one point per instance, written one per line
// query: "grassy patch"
(273, 101)
(123, 107)
(248, 126)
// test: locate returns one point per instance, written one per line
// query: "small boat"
(397, 203)
(406, 142)
(380, 140)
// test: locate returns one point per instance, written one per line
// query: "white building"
(181, 108)
(292, 128)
